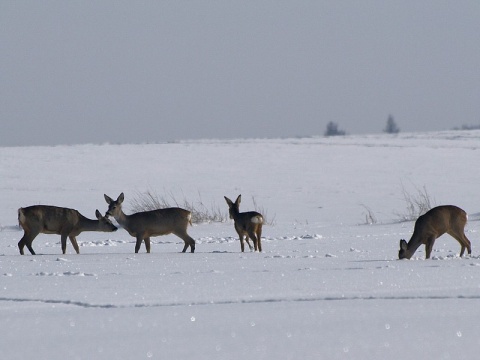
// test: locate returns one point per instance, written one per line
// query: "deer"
(439, 220)
(247, 224)
(145, 224)
(62, 221)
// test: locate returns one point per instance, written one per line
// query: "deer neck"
(236, 215)
(413, 245)
(87, 224)
(122, 219)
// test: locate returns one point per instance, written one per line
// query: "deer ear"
(98, 215)
(229, 202)
(108, 199)
(403, 245)
(121, 197)
(239, 199)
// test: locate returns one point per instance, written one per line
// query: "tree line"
(390, 128)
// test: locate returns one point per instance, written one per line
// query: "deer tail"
(21, 217)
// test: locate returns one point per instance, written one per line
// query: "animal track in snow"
(66, 273)
(107, 242)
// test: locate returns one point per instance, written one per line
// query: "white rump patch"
(21, 217)
(257, 220)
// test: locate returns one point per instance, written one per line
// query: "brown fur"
(430, 226)
(143, 225)
(247, 224)
(65, 222)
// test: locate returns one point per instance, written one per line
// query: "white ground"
(327, 286)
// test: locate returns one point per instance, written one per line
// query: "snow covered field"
(326, 286)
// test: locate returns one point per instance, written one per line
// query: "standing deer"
(247, 224)
(143, 225)
(57, 220)
(436, 222)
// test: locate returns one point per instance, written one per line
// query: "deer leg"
(464, 243)
(187, 240)
(147, 244)
(192, 244)
(468, 244)
(138, 243)
(63, 240)
(26, 240)
(29, 247)
(252, 235)
(256, 236)
(242, 245)
(241, 234)
(429, 247)
(21, 245)
(247, 237)
(73, 240)
(259, 237)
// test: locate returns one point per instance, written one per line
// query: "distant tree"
(332, 130)
(391, 127)
(468, 127)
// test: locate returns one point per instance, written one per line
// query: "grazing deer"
(436, 222)
(57, 220)
(143, 225)
(247, 224)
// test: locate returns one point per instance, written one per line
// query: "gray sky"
(152, 71)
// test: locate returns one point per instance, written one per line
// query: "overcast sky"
(154, 71)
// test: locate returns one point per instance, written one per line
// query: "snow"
(327, 285)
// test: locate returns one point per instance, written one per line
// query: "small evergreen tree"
(332, 130)
(391, 127)
(468, 127)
